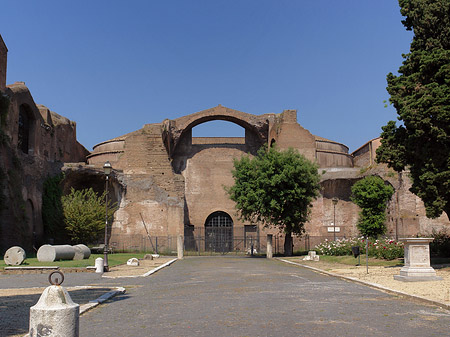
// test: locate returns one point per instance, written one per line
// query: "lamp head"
(107, 168)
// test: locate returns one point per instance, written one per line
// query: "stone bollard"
(99, 265)
(48, 253)
(81, 252)
(55, 314)
(269, 253)
(180, 247)
(14, 256)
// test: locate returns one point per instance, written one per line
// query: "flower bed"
(387, 249)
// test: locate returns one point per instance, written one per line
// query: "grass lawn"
(351, 261)
(113, 260)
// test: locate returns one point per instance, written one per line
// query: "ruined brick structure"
(173, 182)
(3, 61)
(34, 144)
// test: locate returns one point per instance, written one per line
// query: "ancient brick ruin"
(174, 183)
(34, 144)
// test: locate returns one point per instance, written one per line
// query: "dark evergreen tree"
(421, 96)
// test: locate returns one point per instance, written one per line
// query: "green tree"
(84, 214)
(421, 96)
(371, 194)
(275, 188)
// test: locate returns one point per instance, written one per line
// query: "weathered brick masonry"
(173, 182)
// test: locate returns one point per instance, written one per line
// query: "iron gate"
(219, 233)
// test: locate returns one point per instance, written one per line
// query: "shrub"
(371, 194)
(441, 243)
(84, 214)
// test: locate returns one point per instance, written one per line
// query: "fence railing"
(213, 243)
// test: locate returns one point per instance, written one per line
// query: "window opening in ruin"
(24, 130)
(219, 232)
(218, 128)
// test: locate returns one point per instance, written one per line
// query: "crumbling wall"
(24, 168)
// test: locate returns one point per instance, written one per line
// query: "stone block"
(14, 256)
(48, 253)
(133, 262)
(81, 252)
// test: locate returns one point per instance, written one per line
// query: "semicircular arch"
(258, 125)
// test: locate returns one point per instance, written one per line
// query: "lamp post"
(335, 201)
(107, 168)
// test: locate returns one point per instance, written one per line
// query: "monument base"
(417, 278)
(410, 274)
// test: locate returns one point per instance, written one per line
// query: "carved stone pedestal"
(417, 261)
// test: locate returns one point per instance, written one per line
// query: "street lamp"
(107, 168)
(335, 201)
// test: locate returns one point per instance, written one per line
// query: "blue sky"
(113, 66)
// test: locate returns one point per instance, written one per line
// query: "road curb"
(152, 271)
(372, 285)
(101, 299)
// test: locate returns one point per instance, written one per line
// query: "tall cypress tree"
(421, 96)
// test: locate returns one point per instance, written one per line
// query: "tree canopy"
(276, 188)
(371, 194)
(421, 95)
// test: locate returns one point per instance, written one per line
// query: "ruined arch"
(174, 130)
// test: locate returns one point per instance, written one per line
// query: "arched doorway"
(219, 232)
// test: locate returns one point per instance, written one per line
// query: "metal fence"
(206, 242)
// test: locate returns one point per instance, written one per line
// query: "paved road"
(232, 296)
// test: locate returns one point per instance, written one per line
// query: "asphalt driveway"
(239, 296)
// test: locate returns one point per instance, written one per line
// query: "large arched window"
(219, 232)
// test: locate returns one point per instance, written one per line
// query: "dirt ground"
(384, 276)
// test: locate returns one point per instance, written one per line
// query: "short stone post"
(269, 253)
(180, 248)
(99, 266)
(55, 314)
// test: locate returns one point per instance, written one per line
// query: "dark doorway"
(219, 232)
